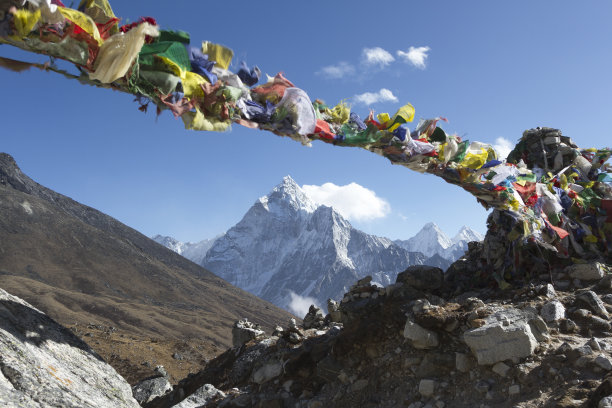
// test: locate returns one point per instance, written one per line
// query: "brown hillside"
(85, 268)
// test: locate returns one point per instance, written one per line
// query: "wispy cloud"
(369, 98)
(377, 56)
(503, 147)
(299, 305)
(353, 201)
(337, 71)
(416, 56)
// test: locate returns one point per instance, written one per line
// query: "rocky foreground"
(417, 343)
(414, 344)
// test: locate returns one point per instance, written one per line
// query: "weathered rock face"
(42, 364)
(506, 334)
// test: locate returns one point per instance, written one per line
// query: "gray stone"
(151, 388)
(594, 303)
(514, 389)
(588, 271)
(201, 397)
(45, 365)
(501, 369)
(553, 311)
(603, 362)
(267, 372)
(244, 331)
(507, 334)
(420, 337)
(422, 277)
(605, 402)
(427, 388)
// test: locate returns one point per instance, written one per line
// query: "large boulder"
(42, 364)
(151, 388)
(506, 334)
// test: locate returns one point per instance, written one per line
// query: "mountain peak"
(288, 194)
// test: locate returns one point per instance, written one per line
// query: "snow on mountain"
(430, 240)
(195, 252)
(170, 243)
(287, 248)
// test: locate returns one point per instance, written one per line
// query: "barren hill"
(89, 271)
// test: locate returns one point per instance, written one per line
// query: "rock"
(590, 298)
(420, 337)
(568, 326)
(501, 369)
(588, 271)
(553, 311)
(605, 402)
(427, 388)
(294, 338)
(45, 365)
(267, 372)
(603, 362)
(514, 389)
(422, 277)
(547, 290)
(314, 318)
(200, 397)
(333, 308)
(244, 331)
(151, 388)
(507, 334)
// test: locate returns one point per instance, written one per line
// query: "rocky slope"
(286, 247)
(422, 343)
(86, 269)
(42, 364)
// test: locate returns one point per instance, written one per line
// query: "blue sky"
(493, 69)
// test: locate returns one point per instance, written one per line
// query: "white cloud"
(416, 56)
(337, 71)
(369, 98)
(503, 147)
(377, 56)
(353, 201)
(299, 305)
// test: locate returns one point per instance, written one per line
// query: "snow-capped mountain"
(195, 252)
(430, 240)
(286, 248)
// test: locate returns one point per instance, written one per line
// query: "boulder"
(552, 311)
(420, 337)
(151, 388)
(45, 365)
(507, 333)
(244, 331)
(593, 302)
(267, 372)
(587, 271)
(422, 277)
(201, 397)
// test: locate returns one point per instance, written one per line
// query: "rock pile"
(404, 345)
